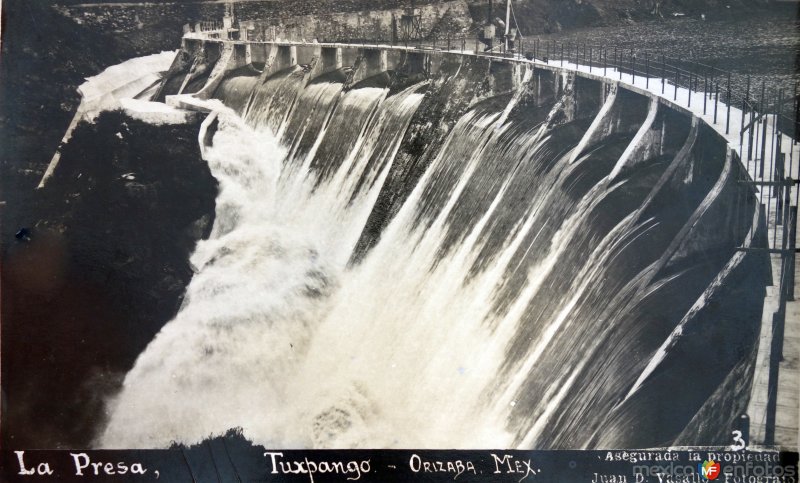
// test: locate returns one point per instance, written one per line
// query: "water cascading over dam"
(455, 252)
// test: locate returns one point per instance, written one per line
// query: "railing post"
(689, 101)
(741, 128)
(590, 58)
(663, 73)
(745, 100)
(742, 424)
(745, 103)
(547, 55)
(647, 70)
(711, 80)
(763, 129)
(562, 54)
(777, 155)
(796, 113)
(716, 101)
(751, 133)
(781, 193)
(677, 73)
(786, 222)
(633, 68)
(772, 383)
(792, 248)
(705, 90)
(728, 118)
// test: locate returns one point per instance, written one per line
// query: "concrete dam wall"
(429, 249)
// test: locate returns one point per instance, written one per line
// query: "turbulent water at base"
(521, 296)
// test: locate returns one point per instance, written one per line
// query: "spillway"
(453, 252)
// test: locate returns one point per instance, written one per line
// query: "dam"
(433, 247)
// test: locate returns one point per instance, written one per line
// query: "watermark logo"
(709, 469)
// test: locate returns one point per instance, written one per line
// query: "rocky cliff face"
(547, 16)
(105, 267)
(442, 18)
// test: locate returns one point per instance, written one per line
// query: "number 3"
(739, 443)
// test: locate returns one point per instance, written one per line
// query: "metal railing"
(210, 25)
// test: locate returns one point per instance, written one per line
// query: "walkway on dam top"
(728, 122)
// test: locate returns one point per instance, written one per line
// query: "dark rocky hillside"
(547, 16)
(45, 57)
(106, 266)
